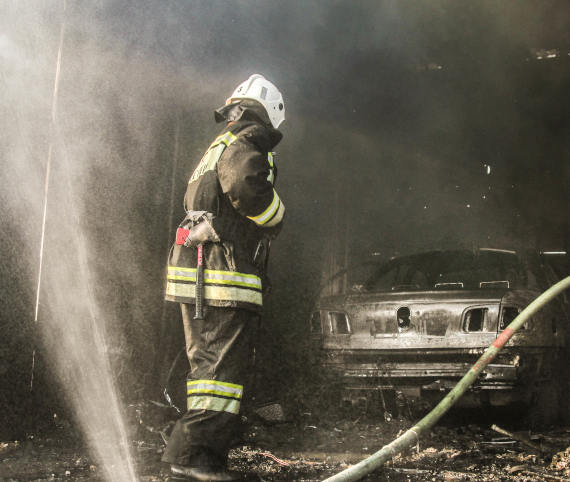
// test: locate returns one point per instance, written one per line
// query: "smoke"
(394, 112)
(95, 146)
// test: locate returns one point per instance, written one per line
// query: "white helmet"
(260, 89)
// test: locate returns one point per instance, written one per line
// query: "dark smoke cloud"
(394, 110)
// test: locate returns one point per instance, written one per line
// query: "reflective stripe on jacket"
(218, 285)
(234, 180)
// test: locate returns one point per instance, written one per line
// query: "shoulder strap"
(211, 157)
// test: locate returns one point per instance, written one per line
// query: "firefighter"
(216, 271)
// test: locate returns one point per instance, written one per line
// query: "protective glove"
(201, 233)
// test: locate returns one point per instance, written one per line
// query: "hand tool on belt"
(199, 315)
(194, 232)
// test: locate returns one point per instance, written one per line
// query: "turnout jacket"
(234, 181)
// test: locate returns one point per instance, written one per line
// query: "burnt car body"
(420, 322)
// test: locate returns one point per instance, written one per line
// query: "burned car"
(419, 322)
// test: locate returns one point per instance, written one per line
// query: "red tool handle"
(181, 235)
(200, 284)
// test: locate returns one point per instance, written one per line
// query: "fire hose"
(412, 436)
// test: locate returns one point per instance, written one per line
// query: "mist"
(410, 126)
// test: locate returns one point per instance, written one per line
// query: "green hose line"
(411, 437)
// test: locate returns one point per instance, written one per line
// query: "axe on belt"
(195, 231)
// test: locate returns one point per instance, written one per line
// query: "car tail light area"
(330, 322)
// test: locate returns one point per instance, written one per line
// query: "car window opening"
(450, 270)
(475, 319)
(508, 315)
(316, 322)
(339, 323)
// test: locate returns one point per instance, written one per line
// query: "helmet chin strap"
(237, 109)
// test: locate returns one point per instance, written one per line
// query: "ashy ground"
(313, 448)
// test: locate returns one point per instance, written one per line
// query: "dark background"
(409, 126)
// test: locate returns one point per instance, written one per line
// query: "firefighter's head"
(258, 88)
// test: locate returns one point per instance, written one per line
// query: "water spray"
(47, 177)
(96, 401)
(412, 436)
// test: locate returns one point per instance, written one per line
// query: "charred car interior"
(419, 322)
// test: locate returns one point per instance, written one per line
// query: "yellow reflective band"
(213, 271)
(226, 277)
(214, 387)
(216, 281)
(277, 218)
(233, 273)
(227, 138)
(180, 268)
(181, 278)
(271, 175)
(208, 162)
(215, 382)
(220, 293)
(216, 277)
(213, 392)
(210, 159)
(214, 403)
(231, 283)
(266, 215)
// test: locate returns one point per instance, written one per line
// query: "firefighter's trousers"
(220, 350)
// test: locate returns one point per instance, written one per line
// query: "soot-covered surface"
(410, 126)
(313, 447)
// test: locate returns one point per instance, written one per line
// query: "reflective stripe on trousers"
(214, 395)
(221, 359)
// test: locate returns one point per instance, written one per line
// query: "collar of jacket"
(248, 112)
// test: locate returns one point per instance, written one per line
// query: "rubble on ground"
(312, 448)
